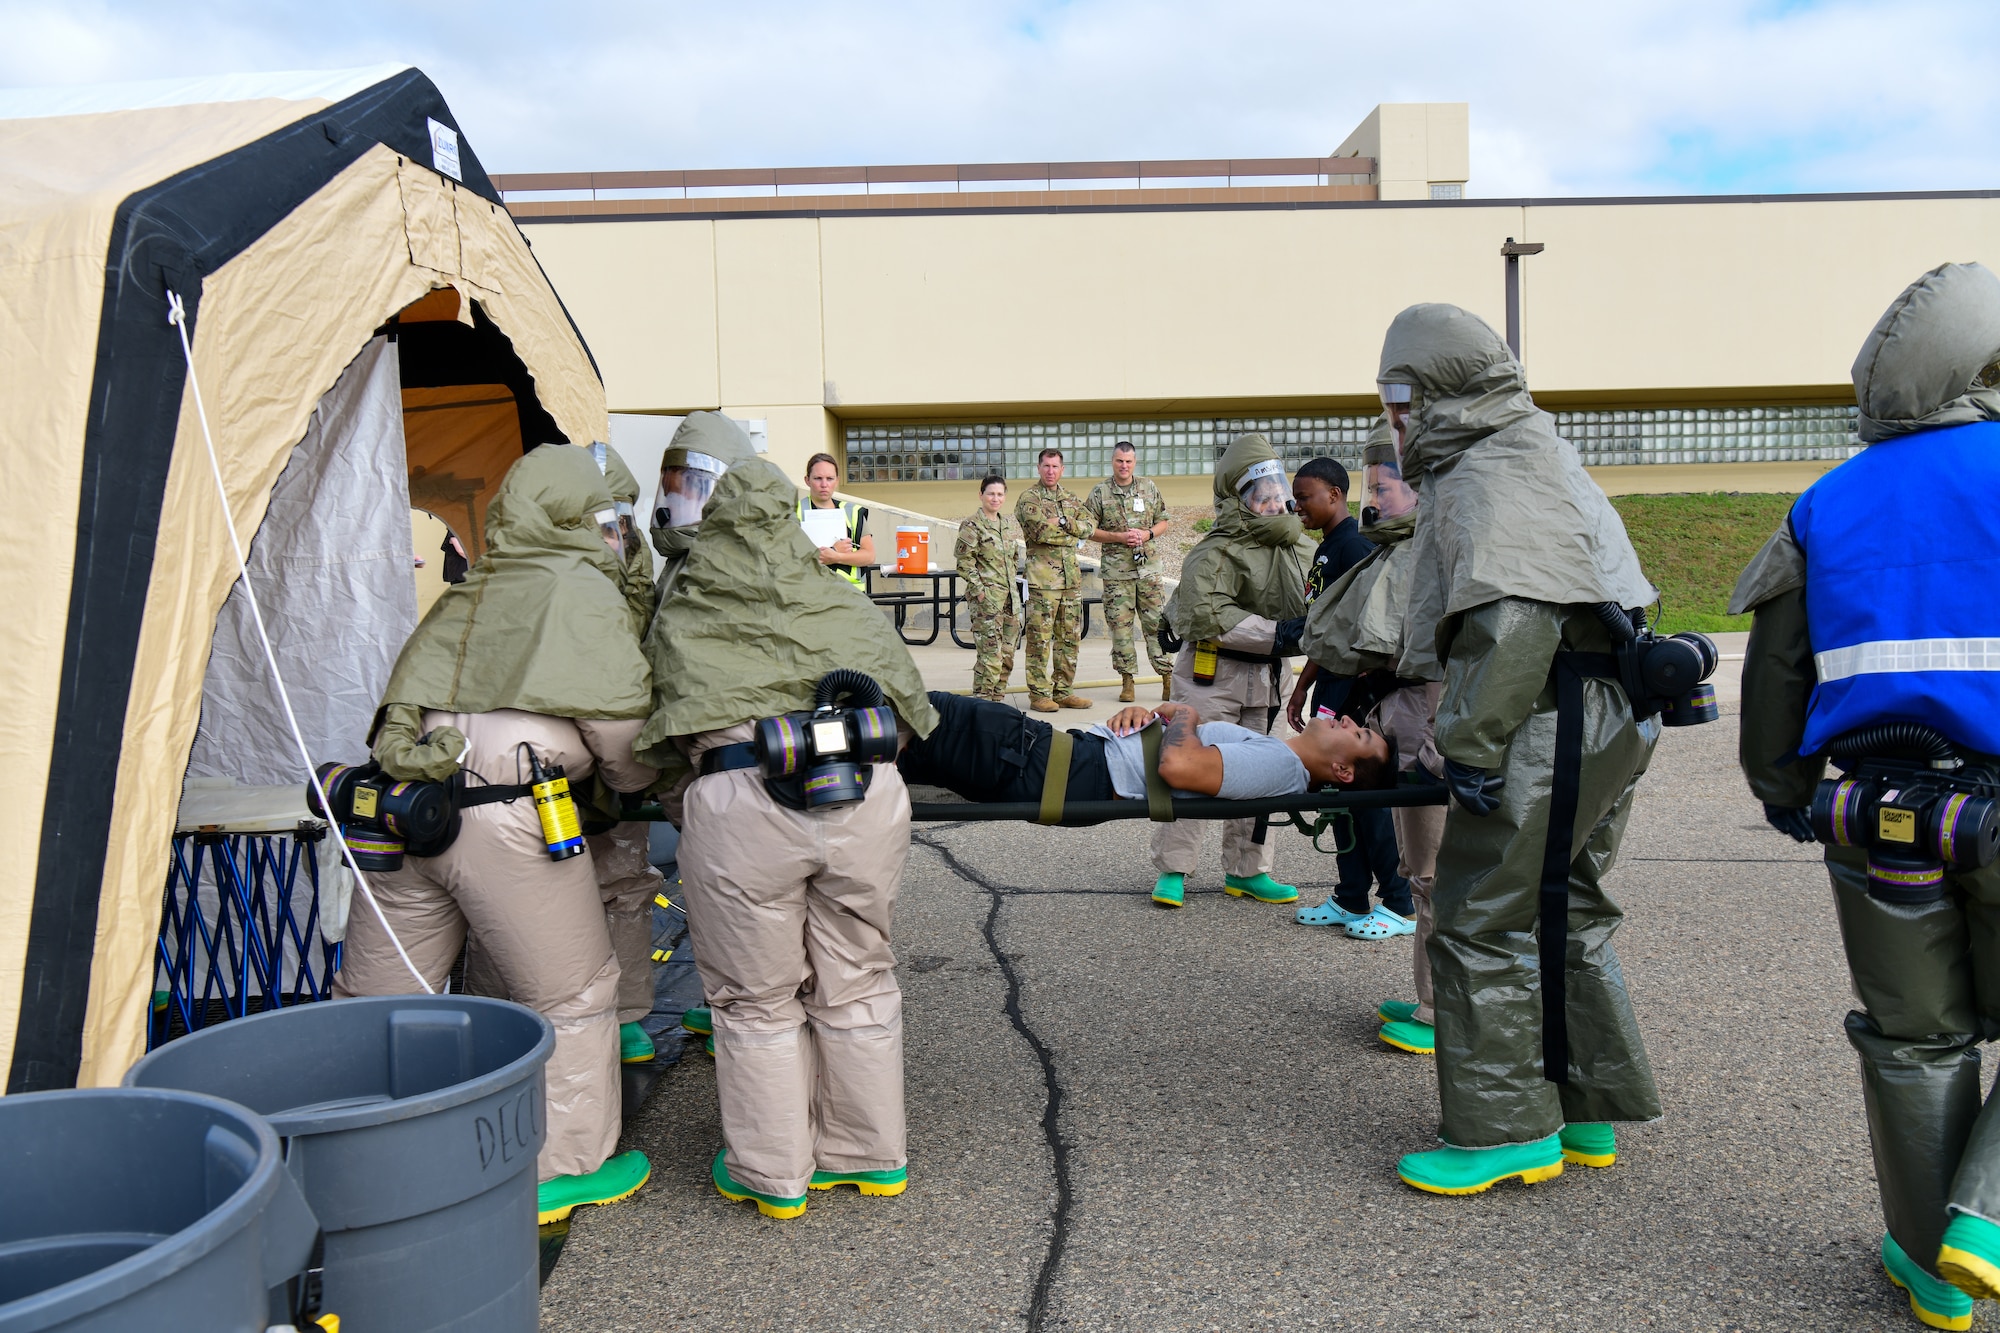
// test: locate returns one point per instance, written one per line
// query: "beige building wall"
(806, 322)
(1415, 145)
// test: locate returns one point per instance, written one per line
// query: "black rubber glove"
(1286, 644)
(1796, 824)
(1170, 642)
(1473, 788)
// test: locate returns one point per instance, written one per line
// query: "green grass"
(1693, 546)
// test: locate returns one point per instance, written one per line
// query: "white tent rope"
(177, 316)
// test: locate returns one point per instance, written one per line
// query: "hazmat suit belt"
(722, 758)
(1237, 655)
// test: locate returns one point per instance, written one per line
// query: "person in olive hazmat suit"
(789, 908)
(1245, 576)
(533, 654)
(1357, 628)
(1526, 559)
(1861, 620)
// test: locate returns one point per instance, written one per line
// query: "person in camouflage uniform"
(985, 557)
(1129, 513)
(1052, 522)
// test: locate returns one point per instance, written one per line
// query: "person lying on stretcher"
(992, 752)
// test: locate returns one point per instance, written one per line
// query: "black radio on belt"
(1913, 802)
(824, 759)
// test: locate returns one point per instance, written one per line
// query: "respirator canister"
(380, 817)
(1913, 823)
(823, 759)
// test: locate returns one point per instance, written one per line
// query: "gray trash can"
(137, 1209)
(412, 1123)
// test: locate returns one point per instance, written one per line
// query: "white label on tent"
(444, 150)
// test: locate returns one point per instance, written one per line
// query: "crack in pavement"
(1038, 1303)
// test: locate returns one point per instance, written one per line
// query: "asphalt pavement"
(1127, 1118)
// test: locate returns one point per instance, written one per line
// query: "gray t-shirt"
(1252, 764)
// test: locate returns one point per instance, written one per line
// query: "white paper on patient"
(1253, 765)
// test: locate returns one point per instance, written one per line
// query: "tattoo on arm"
(1180, 730)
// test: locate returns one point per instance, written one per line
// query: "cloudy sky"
(1568, 97)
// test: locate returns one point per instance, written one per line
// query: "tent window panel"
(461, 439)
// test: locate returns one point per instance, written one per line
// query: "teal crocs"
(1397, 1011)
(1412, 1036)
(1261, 887)
(1329, 913)
(1969, 1259)
(1170, 890)
(1450, 1170)
(1380, 924)
(1933, 1300)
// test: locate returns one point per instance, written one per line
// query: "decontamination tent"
(353, 285)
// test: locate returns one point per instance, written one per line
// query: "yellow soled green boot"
(1170, 890)
(634, 1046)
(893, 1181)
(1410, 1035)
(1590, 1144)
(1932, 1299)
(770, 1205)
(1396, 1011)
(1261, 887)
(1450, 1170)
(619, 1178)
(699, 1020)
(1970, 1256)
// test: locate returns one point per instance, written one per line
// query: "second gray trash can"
(412, 1123)
(127, 1209)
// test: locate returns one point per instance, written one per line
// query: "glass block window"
(1189, 446)
(1448, 191)
(1712, 435)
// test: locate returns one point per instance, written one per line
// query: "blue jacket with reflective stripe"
(1902, 547)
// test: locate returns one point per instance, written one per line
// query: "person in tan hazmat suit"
(1358, 627)
(789, 908)
(534, 654)
(1244, 577)
(1528, 569)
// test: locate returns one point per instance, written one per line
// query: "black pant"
(1375, 857)
(990, 753)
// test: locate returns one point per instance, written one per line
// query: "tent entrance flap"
(332, 564)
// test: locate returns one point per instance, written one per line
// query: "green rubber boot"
(1170, 890)
(767, 1204)
(1970, 1256)
(1932, 1299)
(1412, 1036)
(868, 1182)
(634, 1046)
(1590, 1144)
(1261, 887)
(699, 1019)
(1450, 1170)
(708, 1045)
(1396, 1011)
(619, 1178)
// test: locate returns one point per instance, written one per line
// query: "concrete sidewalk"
(1123, 1118)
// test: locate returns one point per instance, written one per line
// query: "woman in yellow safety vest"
(856, 551)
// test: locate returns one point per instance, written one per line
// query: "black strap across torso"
(1568, 672)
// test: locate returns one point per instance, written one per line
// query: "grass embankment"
(1693, 546)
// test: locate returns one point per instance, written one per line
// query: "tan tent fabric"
(61, 181)
(277, 325)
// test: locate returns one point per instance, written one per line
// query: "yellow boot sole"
(866, 1187)
(1969, 1273)
(1931, 1318)
(782, 1212)
(558, 1214)
(1589, 1158)
(1534, 1175)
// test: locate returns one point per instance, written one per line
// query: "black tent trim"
(172, 234)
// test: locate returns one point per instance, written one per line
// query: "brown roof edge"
(939, 172)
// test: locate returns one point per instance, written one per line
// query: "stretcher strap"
(1568, 672)
(1055, 782)
(1159, 796)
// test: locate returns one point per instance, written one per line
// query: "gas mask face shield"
(1388, 495)
(628, 529)
(1263, 490)
(612, 532)
(1402, 402)
(684, 489)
